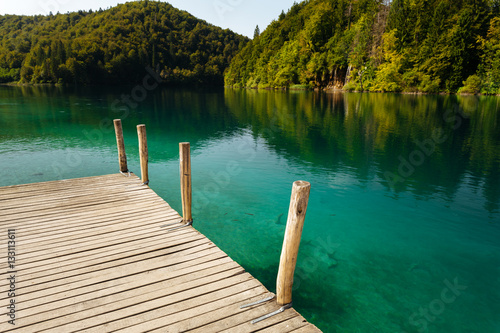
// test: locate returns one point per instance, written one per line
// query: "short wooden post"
(185, 171)
(143, 152)
(122, 157)
(293, 233)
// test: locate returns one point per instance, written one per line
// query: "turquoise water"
(402, 232)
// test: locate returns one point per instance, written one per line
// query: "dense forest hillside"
(115, 46)
(377, 45)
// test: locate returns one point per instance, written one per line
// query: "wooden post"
(143, 152)
(290, 250)
(185, 171)
(122, 158)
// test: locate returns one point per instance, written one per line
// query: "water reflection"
(421, 144)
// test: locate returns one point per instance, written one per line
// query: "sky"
(240, 16)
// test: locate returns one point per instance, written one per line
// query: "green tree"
(388, 75)
(256, 32)
(489, 69)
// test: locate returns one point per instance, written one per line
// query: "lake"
(402, 232)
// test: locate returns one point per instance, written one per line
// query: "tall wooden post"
(122, 158)
(185, 171)
(143, 152)
(293, 233)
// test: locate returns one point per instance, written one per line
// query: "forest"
(115, 46)
(425, 46)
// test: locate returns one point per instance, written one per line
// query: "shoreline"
(326, 90)
(339, 90)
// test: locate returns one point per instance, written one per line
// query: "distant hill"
(115, 46)
(377, 45)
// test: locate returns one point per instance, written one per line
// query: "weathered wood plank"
(123, 309)
(182, 273)
(171, 312)
(94, 277)
(100, 232)
(187, 246)
(198, 275)
(230, 317)
(67, 249)
(55, 230)
(285, 326)
(121, 249)
(68, 183)
(309, 328)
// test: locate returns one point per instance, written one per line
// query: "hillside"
(375, 45)
(115, 46)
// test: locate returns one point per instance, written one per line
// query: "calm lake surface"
(402, 232)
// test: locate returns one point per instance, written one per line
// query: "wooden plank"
(309, 328)
(229, 317)
(97, 312)
(69, 183)
(112, 210)
(54, 235)
(71, 203)
(75, 190)
(35, 196)
(208, 313)
(6, 198)
(285, 326)
(197, 243)
(246, 326)
(180, 252)
(66, 249)
(107, 247)
(31, 218)
(147, 282)
(56, 228)
(132, 297)
(74, 282)
(99, 231)
(170, 310)
(45, 225)
(72, 191)
(121, 249)
(191, 318)
(179, 274)
(45, 299)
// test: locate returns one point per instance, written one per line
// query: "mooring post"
(143, 152)
(293, 233)
(122, 157)
(185, 171)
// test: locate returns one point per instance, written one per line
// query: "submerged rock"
(333, 264)
(278, 220)
(412, 267)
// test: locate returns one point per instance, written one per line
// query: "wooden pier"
(106, 254)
